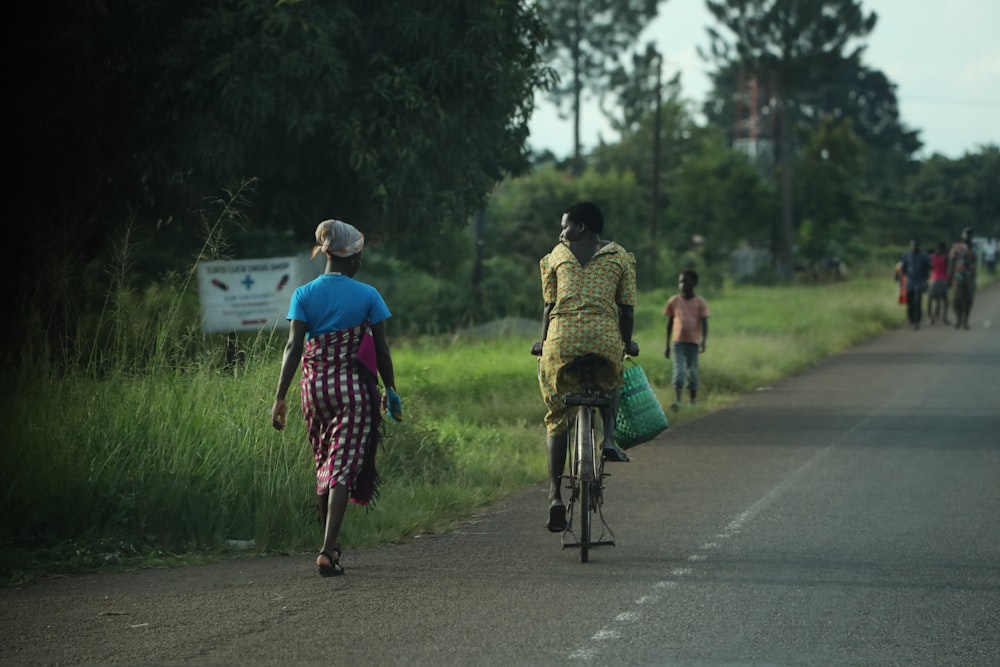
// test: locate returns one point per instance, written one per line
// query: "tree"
(524, 214)
(637, 92)
(402, 115)
(852, 91)
(588, 37)
(788, 45)
(717, 194)
(398, 115)
(653, 148)
(826, 185)
(946, 195)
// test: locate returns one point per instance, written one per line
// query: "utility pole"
(479, 229)
(577, 89)
(654, 220)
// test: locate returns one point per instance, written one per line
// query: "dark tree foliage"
(588, 37)
(853, 91)
(826, 186)
(397, 115)
(789, 45)
(946, 195)
(868, 98)
(394, 114)
(795, 42)
(679, 138)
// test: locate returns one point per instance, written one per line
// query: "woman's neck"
(584, 249)
(341, 269)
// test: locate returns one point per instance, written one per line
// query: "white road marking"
(732, 529)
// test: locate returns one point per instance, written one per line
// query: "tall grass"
(144, 458)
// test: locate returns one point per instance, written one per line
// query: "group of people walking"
(938, 274)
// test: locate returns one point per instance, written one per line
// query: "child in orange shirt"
(687, 324)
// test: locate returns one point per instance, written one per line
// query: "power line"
(950, 101)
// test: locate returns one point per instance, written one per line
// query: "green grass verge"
(169, 465)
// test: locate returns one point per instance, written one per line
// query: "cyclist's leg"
(556, 446)
(609, 413)
(556, 432)
(609, 450)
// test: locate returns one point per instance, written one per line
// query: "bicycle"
(585, 464)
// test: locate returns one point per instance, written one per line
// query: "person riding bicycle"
(588, 287)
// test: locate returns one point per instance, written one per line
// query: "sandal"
(612, 454)
(334, 568)
(557, 518)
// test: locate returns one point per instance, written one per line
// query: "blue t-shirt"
(334, 302)
(917, 267)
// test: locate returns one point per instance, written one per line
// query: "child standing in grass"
(687, 325)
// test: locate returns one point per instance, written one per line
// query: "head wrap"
(338, 238)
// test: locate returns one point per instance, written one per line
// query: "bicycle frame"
(585, 478)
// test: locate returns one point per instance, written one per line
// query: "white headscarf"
(338, 238)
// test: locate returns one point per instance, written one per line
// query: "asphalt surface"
(847, 516)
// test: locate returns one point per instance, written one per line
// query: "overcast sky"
(943, 56)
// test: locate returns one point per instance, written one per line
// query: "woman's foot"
(328, 565)
(557, 517)
(610, 452)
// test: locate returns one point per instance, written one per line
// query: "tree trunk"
(655, 197)
(479, 228)
(786, 163)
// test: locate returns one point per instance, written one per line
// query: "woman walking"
(337, 332)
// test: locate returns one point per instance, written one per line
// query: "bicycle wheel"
(585, 459)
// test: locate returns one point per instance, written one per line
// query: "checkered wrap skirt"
(340, 404)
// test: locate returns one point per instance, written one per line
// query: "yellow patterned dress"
(584, 320)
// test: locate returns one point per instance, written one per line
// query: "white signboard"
(250, 294)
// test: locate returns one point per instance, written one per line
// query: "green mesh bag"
(640, 415)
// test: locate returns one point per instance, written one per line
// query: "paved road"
(847, 516)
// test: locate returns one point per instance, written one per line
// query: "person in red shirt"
(937, 295)
(687, 326)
